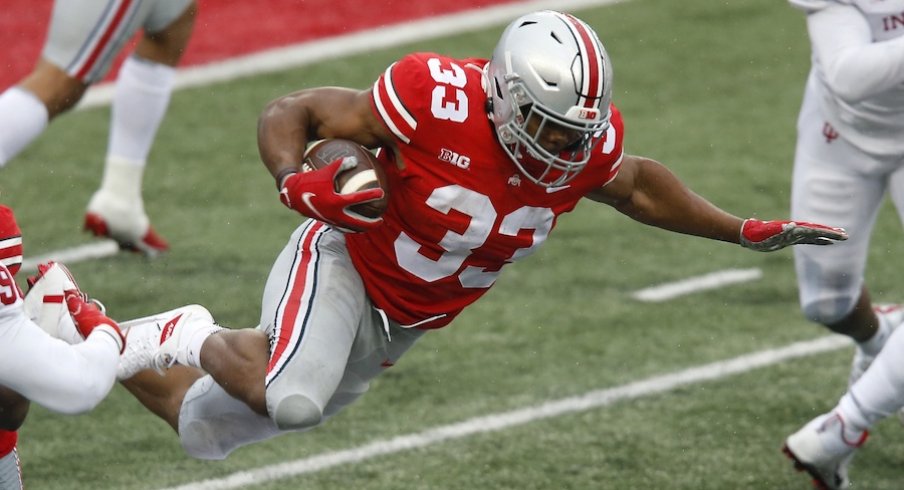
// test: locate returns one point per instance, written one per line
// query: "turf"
(710, 88)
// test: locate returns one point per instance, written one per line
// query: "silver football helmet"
(549, 75)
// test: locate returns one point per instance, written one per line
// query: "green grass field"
(710, 88)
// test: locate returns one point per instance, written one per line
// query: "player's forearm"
(61, 377)
(282, 134)
(662, 200)
(13, 409)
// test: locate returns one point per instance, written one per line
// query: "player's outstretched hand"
(768, 236)
(89, 319)
(313, 194)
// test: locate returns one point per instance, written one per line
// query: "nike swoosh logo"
(550, 190)
(306, 197)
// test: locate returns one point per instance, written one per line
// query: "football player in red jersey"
(35, 366)
(482, 157)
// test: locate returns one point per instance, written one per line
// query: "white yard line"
(505, 420)
(718, 279)
(95, 250)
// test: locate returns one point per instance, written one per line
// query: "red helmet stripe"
(593, 76)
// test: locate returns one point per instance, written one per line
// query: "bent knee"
(297, 412)
(55, 88)
(829, 311)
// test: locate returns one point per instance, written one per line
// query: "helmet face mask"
(550, 83)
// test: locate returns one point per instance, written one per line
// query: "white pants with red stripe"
(10, 472)
(837, 184)
(85, 36)
(327, 342)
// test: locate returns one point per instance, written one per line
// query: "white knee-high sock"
(23, 118)
(143, 91)
(880, 391)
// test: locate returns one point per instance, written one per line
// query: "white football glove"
(45, 302)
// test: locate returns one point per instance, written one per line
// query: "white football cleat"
(891, 315)
(175, 346)
(44, 303)
(124, 221)
(822, 449)
(153, 342)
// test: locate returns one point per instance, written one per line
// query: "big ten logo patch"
(460, 161)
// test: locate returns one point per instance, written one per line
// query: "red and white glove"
(314, 195)
(768, 236)
(89, 319)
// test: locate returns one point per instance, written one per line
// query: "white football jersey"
(858, 69)
(64, 378)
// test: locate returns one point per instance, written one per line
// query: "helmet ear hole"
(498, 87)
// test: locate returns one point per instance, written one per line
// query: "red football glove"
(768, 236)
(88, 318)
(313, 194)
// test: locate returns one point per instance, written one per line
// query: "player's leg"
(143, 90)
(162, 394)
(836, 183)
(13, 409)
(880, 391)
(10, 469)
(81, 39)
(314, 309)
(314, 306)
(826, 444)
(379, 346)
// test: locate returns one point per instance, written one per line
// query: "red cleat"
(150, 243)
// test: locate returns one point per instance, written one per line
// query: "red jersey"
(7, 442)
(459, 210)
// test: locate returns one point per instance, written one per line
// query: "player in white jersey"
(534, 132)
(849, 156)
(38, 367)
(82, 41)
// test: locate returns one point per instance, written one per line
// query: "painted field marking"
(514, 418)
(718, 279)
(96, 250)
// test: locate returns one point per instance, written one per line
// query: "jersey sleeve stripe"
(11, 251)
(390, 107)
(396, 102)
(613, 171)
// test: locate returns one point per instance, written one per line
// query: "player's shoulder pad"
(816, 5)
(402, 94)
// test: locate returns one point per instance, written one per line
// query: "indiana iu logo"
(829, 132)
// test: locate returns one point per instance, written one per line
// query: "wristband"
(281, 176)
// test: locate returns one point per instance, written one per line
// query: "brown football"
(367, 174)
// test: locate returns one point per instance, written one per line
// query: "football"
(367, 174)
